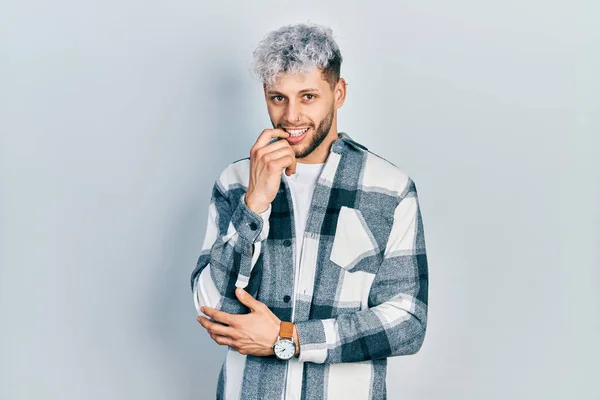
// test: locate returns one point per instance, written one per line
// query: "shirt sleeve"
(232, 246)
(395, 321)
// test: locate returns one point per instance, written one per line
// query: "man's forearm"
(362, 335)
(230, 251)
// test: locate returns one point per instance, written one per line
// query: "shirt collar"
(344, 139)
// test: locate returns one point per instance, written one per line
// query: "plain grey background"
(117, 116)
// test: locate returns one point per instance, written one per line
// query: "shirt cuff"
(249, 225)
(264, 232)
(312, 340)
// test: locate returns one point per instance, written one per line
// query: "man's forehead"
(297, 80)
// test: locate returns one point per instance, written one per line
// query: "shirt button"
(287, 243)
(253, 226)
(286, 298)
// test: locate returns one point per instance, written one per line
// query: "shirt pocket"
(354, 245)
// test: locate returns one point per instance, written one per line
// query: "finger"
(288, 162)
(279, 144)
(222, 340)
(275, 151)
(292, 168)
(205, 322)
(282, 158)
(277, 154)
(268, 149)
(224, 331)
(217, 329)
(268, 134)
(216, 314)
(246, 299)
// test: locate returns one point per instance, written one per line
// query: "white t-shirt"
(302, 185)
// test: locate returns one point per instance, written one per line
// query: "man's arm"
(395, 322)
(232, 245)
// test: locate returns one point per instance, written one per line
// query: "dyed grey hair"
(297, 48)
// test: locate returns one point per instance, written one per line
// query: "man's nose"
(292, 113)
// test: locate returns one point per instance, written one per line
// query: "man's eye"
(312, 96)
(275, 98)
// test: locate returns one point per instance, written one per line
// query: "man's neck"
(321, 153)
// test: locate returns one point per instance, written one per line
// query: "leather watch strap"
(286, 330)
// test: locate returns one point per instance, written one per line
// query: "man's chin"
(299, 154)
(299, 149)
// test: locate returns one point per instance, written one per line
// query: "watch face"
(285, 349)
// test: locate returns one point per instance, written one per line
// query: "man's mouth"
(295, 131)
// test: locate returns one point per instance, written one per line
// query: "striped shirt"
(361, 293)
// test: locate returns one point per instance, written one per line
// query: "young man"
(313, 268)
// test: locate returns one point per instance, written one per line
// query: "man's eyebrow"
(302, 91)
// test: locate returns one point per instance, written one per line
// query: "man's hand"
(254, 333)
(266, 163)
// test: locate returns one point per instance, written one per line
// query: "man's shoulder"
(234, 174)
(381, 174)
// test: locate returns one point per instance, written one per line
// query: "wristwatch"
(285, 348)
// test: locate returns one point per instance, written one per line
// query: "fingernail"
(202, 309)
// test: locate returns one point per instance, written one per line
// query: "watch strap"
(286, 330)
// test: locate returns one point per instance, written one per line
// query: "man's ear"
(340, 92)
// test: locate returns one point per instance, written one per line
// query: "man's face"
(307, 97)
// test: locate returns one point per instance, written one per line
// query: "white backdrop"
(117, 116)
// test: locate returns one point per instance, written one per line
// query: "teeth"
(296, 132)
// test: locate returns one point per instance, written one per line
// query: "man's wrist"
(296, 341)
(256, 208)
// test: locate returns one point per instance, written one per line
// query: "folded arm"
(232, 246)
(395, 322)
